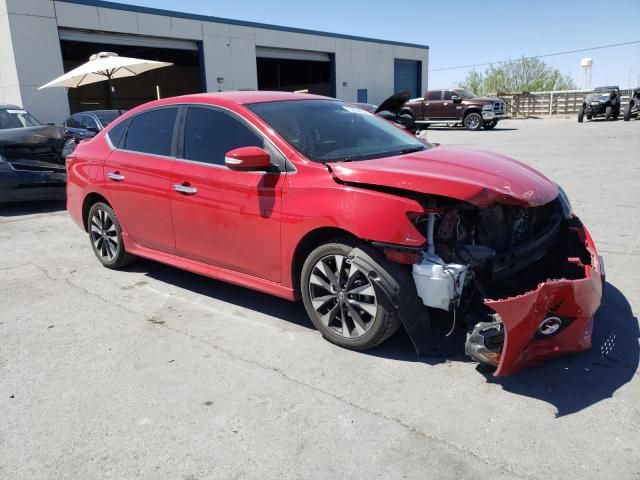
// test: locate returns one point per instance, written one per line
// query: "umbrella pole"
(112, 95)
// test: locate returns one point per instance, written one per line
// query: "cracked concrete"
(156, 373)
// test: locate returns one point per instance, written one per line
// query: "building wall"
(229, 51)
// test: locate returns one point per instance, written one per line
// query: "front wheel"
(627, 112)
(581, 115)
(607, 114)
(473, 121)
(341, 300)
(490, 125)
(105, 234)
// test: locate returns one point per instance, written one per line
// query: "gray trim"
(229, 21)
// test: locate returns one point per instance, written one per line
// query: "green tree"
(522, 75)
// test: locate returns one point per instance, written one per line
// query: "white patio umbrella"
(104, 66)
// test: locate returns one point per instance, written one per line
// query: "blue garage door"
(407, 76)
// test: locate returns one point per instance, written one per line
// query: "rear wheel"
(105, 234)
(342, 301)
(581, 114)
(473, 121)
(607, 114)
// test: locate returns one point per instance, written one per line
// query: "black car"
(633, 107)
(85, 125)
(390, 110)
(602, 102)
(31, 163)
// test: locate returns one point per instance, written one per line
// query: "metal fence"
(541, 104)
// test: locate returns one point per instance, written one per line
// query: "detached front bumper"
(574, 302)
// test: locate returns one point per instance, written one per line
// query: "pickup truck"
(455, 107)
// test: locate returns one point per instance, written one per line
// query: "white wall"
(36, 59)
(229, 51)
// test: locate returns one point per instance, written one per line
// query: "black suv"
(603, 101)
(633, 108)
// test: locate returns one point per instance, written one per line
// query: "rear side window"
(209, 134)
(435, 95)
(117, 132)
(151, 132)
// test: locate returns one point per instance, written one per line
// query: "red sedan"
(311, 198)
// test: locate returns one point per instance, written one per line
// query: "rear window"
(151, 132)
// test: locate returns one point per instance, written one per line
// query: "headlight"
(567, 209)
(487, 107)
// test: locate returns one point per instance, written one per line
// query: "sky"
(463, 32)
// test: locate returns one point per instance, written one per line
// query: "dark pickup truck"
(455, 107)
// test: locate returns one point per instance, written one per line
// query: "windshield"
(106, 117)
(17, 118)
(598, 97)
(333, 131)
(466, 94)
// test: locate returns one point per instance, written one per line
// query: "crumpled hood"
(46, 135)
(477, 177)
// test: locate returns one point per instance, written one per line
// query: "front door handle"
(186, 189)
(115, 176)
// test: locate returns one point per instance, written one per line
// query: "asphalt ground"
(156, 373)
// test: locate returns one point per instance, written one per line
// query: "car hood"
(46, 135)
(394, 103)
(481, 99)
(477, 177)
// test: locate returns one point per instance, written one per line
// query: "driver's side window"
(209, 134)
(449, 94)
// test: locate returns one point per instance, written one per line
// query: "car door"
(138, 178)
(450, 109)
(222, 217)
(432, 105)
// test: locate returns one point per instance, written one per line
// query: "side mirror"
(456, 99)
(247, 158)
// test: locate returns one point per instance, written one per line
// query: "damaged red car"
(310, 198)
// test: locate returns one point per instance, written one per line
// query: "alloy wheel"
(104, 235)
(342, 296)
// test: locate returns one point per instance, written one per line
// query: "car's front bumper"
(21, 185)
(489, 115)
(574, 301)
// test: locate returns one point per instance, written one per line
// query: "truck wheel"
(342, 301)
(490, 125)
(581, 114)
(607, 114)
(627, 112)
(473, 121)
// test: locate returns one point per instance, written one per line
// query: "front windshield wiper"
(411, 150)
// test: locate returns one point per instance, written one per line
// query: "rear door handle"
(115, 176)
(186, 189)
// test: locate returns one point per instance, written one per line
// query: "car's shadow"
(570, 383)
(30, 208)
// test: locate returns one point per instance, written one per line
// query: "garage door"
(407, 76)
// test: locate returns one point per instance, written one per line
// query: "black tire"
(490, 125)
(627, 112)
(581, 115)
(379, 327)
(473, 121)
(607, 114)
(105, 235)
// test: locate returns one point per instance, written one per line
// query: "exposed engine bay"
(476, 257)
